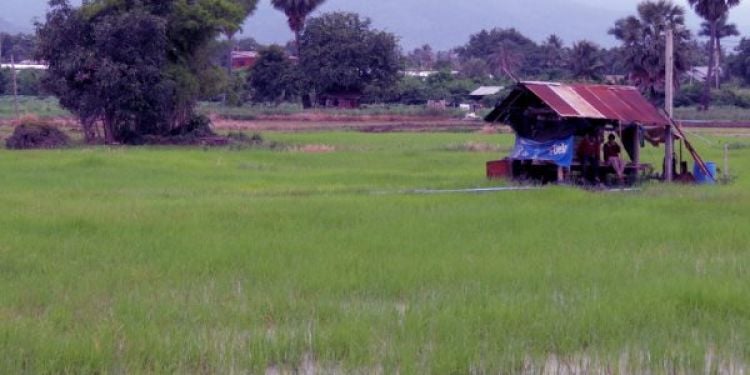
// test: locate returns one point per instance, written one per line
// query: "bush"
(34, 135)
(690, 95)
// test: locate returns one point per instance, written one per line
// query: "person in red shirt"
(612, 153)
(588, 154)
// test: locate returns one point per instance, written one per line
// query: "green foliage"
(739, 63)
(296, 11)
(139, 67)
(36, 134)
(727, 96)
(4, 80)
(340, 52)
(273, 78)
(29, 82)
(643, 44)
(506, 51)
(586, 61)
(20, 47)
(32, 106)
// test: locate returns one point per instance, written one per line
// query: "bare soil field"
(372, 125)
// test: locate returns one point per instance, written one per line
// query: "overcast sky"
(444, 28)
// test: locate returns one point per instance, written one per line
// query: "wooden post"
(726, 162)
(669, 104)
(15, 86)
(637, 146)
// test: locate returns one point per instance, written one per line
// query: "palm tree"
(712, 11)
(296, 12)
(586, 61)
(554, 55)
(723, 30)
(643, 44)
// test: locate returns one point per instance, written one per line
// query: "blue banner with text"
(558, 151)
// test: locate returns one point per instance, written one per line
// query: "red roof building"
(242, 60)
(549, 118)
(623, 104)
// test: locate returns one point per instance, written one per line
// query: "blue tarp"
(558, 151)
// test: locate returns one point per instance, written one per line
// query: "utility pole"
(15, 85)
(669, 106)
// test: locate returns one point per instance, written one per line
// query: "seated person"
(612, 153)
(588, 154)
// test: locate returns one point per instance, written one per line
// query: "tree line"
(139, 68)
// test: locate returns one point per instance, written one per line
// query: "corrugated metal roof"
(617, 103)
(487, 90)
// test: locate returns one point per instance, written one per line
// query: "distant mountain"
(448, 24)
(10, 28)
(441, 24)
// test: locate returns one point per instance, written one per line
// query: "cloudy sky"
(443, 26)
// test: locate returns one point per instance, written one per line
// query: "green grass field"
(163, 260)
(50, 108)
(30, 105)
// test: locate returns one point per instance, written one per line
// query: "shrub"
(35, 135)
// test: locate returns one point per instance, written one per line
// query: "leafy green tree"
(643, 44)
(297, 12)
(3, 81)
(586, 61)
(421, 58)
(412, 90)
(712, 11)
(342, 53)
(475, 69)
(739, 63)
(30, 82)
(136, 66)
(506, 51)
(724, 30)
(273, 78)
(20, 46)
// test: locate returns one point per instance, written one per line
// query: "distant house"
(342, 99)
(26, 65)
(699, 74)
(485, 91)
(424, 74)
(243, 60)
(615, 79)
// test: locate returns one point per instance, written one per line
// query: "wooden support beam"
(669, 107)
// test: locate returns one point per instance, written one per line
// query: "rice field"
(319, 257)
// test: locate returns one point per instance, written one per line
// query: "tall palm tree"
(296, 12)
(554, 55)
(643, 44)
(724, 29)
(586, 61)
(712, 11)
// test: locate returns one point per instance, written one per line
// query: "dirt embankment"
(370, 126)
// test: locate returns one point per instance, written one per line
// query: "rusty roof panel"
(582, 106)
(548, 96)
(616, 103)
